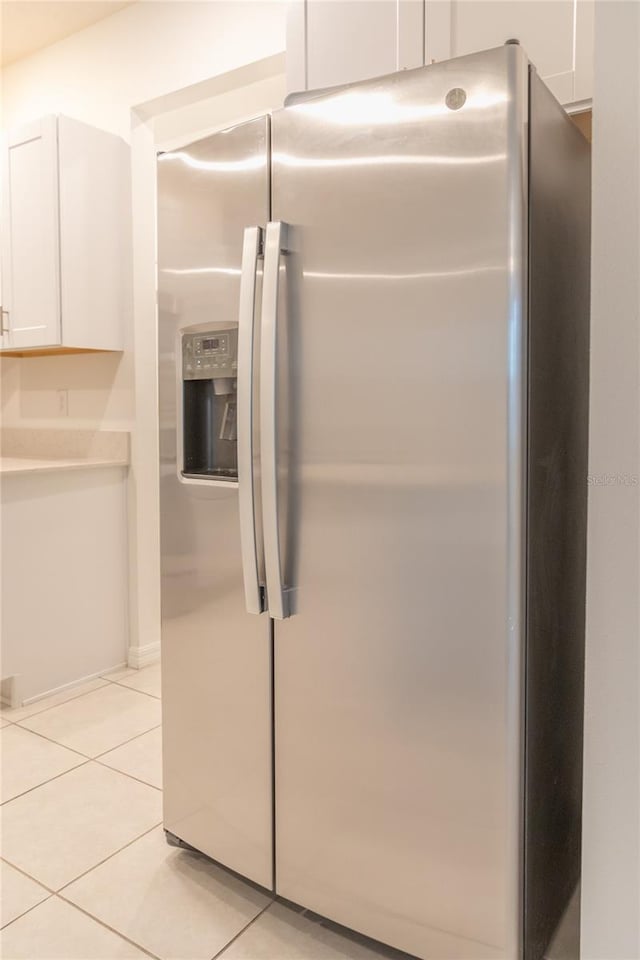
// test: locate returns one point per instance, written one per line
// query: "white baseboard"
(144, 656)
(10, 691)
(15, 700)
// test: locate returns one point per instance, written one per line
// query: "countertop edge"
(19, 466)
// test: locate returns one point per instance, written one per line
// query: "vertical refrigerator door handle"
(275, 243)
(246, 483)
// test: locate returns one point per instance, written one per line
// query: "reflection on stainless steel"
(194, 271)
(213, 166)
(356, 108)
(325, 275)
(423, 275)
(395, 160)
(216, 658)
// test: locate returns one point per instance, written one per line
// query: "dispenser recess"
(209, 386)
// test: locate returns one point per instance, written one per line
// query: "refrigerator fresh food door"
(400, 358)
(216, 657)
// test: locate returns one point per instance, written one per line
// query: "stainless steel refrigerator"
(373, 362)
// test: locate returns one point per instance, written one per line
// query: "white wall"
(145, 51)
(611, 872)
(111, 74)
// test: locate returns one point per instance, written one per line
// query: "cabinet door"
(557, 36)
(343, 41)
(30, 236)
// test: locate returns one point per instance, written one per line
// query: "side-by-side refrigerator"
(373, 362)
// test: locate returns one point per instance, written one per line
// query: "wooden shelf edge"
(583, 122)
(52, 351)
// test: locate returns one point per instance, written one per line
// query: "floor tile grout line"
(145, 783)
(50, 894)
(130, 671)
(221, 953)
(57, 743)
(28, 875)
(109, 857)
(117, 683)
(123, 936)
(37, 786)
(86, 756)
(136, 736)
(58, 890)
(79, 696)
(85, 761)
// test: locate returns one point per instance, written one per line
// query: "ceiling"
(30, 25)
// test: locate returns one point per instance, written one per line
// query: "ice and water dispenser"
(209, 384)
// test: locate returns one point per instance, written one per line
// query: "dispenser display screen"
(212, 355)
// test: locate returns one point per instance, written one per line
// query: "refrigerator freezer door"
(397, 676)
(216, 658)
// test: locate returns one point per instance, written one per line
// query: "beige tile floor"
(86, 872)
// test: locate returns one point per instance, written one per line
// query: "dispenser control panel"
(208, 356)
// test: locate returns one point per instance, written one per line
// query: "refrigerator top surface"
(468, 64)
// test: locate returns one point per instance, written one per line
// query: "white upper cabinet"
(30, 247)
(65, 237)
(557, 36)
(339, 41)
